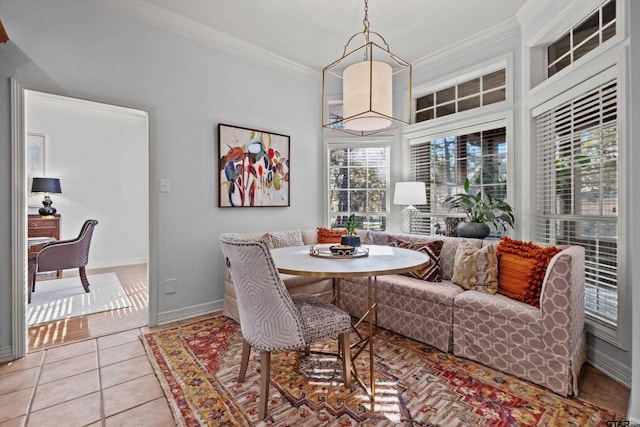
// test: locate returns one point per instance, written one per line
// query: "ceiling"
(310, 34)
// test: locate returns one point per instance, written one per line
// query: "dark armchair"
(64, 254)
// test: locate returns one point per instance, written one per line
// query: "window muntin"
(594, 30)
(358, 183)
(577, 196)
(444, 164)
(472, 93)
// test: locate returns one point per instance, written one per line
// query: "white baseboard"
(610, 367)
(6, 354)
(117, 262)
(189, 312)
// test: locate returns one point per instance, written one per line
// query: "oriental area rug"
(416, 385)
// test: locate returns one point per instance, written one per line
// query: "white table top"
(33, 241)
(382, 260)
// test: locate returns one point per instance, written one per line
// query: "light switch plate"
(165, 185)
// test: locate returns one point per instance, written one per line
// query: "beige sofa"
(546, 346)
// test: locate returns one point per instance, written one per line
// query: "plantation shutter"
(577, 184)
(420, 170)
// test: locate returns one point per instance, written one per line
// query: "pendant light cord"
(366, 24)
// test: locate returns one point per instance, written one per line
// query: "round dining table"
(371, 261)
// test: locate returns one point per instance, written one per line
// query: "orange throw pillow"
(521, 269)
(327, 235)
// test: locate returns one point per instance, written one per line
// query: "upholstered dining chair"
(62, 255)
(271, 320)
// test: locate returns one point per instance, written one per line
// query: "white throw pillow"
(283, 239)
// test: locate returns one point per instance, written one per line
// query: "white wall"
(99, 152)
(78, 48)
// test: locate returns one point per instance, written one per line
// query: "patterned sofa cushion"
(283, 239)
(411, 307)
(476, 269)
(500, 316)
(447, 254)
(432, 249)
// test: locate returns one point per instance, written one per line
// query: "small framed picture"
(35, 155)
(253, 167)
(35, 165)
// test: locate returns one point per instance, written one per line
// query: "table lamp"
(46, 186)
(409, 193)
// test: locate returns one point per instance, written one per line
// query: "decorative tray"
(324, 251)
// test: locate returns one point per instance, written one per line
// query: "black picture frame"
(253, 168)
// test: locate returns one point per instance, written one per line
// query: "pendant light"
(358, 89)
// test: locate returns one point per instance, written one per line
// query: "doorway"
(100, 153)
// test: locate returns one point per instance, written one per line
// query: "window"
(577, 196)
(468, 94)
(358, 183)
(444, 163)
(335, 114)
(594, 30)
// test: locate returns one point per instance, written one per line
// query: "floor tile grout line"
(60, 379)
(35, 388)
(141, 403)
(103, 419)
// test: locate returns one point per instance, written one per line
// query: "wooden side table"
(43, 226)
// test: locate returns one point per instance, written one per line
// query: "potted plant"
(351, 239)
(480, 213)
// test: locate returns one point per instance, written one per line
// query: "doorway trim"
(19, 335)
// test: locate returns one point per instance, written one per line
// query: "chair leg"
(246, 351)
(265, 375)
(345, 349)
(83, 279)
(31, 279)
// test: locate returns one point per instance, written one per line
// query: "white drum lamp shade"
(368, 96)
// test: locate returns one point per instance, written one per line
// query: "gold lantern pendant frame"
(366, 86)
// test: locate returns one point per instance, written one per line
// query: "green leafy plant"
(487, 210)
(351, 225)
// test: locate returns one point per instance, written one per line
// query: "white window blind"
(577, 188)
(358, 183)
(444, 162)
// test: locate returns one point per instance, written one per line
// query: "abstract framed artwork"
(253, 168)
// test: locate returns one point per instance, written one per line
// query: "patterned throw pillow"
(431, 271)
(476, 268)
(521, 269)
(328, 235)
(283, 239)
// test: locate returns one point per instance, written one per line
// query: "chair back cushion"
(268, 318)
(65, 254)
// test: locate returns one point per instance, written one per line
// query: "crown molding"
(152, 14)
(85, 107)
(531, 10)
(468, 45)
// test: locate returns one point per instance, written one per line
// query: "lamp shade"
(46, 185)
(410, 193)
(367, 96)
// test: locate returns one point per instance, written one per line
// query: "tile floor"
(106, 381)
